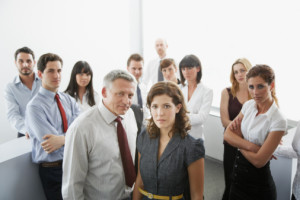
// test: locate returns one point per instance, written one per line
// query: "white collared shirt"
(255, 129)
(92, 165)
(199, 107)
(84, 106)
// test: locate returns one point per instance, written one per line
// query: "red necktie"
(127, 161)
(62, 113)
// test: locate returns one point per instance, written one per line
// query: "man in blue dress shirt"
(47, 122)
(21, 90)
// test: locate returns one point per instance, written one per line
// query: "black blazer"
(138, 113)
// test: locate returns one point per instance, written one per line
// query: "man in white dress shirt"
(153, 73)
(92, 165)
(135, 65)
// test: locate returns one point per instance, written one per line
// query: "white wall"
(100, 32)
(219, 32)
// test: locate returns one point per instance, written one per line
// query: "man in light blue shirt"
(21, 90)
(48, 116)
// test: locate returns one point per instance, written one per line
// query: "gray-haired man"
(93, 166)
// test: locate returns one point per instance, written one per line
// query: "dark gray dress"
(168, 176)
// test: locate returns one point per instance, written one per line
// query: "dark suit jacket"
(138, 113)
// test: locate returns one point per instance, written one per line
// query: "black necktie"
(139, 96)
(160, 75)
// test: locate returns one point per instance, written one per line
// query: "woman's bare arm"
(264, 154)
(196, 178)
(233, 136)
(138, 184)
(224, 108)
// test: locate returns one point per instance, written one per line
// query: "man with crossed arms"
(21, 90)
(48, 116)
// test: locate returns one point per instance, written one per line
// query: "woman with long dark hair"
(197, 96)
(168, 155)
(256, 132)
(81, 86)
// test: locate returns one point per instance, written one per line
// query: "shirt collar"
(108, 116)
(48, 93)
(163, 57)
(18, 80)
(270, 110)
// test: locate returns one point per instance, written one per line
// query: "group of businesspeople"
(143, 138)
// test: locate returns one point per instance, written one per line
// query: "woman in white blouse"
(256, 132)
(81, 86)
(293, 152)
(296, 147)
(198, 97)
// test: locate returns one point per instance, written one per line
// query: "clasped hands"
(52, 142)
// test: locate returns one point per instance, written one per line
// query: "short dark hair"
(166, 63)
(136, 57)
(190, 61)
(48, 57)
(24, 50)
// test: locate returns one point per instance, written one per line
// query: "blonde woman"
(232, 101)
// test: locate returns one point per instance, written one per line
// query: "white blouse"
(294, 152)
(256, 128)
(84, 106)
(199, 107)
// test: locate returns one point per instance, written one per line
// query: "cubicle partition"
(19, 177)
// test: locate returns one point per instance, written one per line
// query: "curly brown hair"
(182, 124)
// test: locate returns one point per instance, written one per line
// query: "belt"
(154, 196)
(52, 164)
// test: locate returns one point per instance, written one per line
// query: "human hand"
(27, 136)
(52, 142)
(254, 148)
(235, 126)
(273, 157)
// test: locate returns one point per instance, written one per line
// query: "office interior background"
(105, 33)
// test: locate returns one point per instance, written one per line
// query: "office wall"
(219, 32)
(103, 33)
